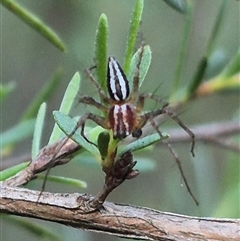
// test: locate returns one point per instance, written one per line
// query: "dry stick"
(213, 133)
(136, 222)
(41, 162)
(222, 142)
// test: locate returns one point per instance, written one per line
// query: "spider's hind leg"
(168, 112)
(176, 159)
(164, 110)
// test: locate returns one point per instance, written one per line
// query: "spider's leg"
(148, 116)
(134, 93)
(189, 132)
(164, 110)
(99, 89)
(142, 119)
(155, 98)
(90, 101)
(176, 158)
(140, 103)
(99, 120)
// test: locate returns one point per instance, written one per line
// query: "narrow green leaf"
(35, 23)
(220, 84)
(6, 89)
(132, 35)
(217, 27)
(17, 133)
(182, 53)
(67, 102)
(103, 142)
(35, 229)
(43, 95)
(101, 50)
(233, 67)
(65, 180)
(67, 125)
(142, 143)
(179, 5)
(198, 77)
(216, 62)
(37, 135)
(145, 63)
(11, 171)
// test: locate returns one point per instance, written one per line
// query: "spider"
(124, 109)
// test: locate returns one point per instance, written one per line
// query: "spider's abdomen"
(122, 119)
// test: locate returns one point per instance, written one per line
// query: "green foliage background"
(29, 61)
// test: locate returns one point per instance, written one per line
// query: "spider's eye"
(117, 82)
(137, 133)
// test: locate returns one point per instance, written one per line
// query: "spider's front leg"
(144, 118)
(90, 101)
(99, 89)
(134, 94)
(99, 120)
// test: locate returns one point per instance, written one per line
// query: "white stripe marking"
(125, 122)
(113, 65)
(115, 112)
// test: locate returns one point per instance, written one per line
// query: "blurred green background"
(30, 60)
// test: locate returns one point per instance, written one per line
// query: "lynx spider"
(123, 109)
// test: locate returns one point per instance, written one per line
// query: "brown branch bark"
(115, 219)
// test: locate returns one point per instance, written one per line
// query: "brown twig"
(209, 133)
(43, 159)
(115, 219)
(214, 133)
(121, 170)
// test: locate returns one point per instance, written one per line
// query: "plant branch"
(211, 133)
(52, 155)
(115, 219)
(214, 133)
